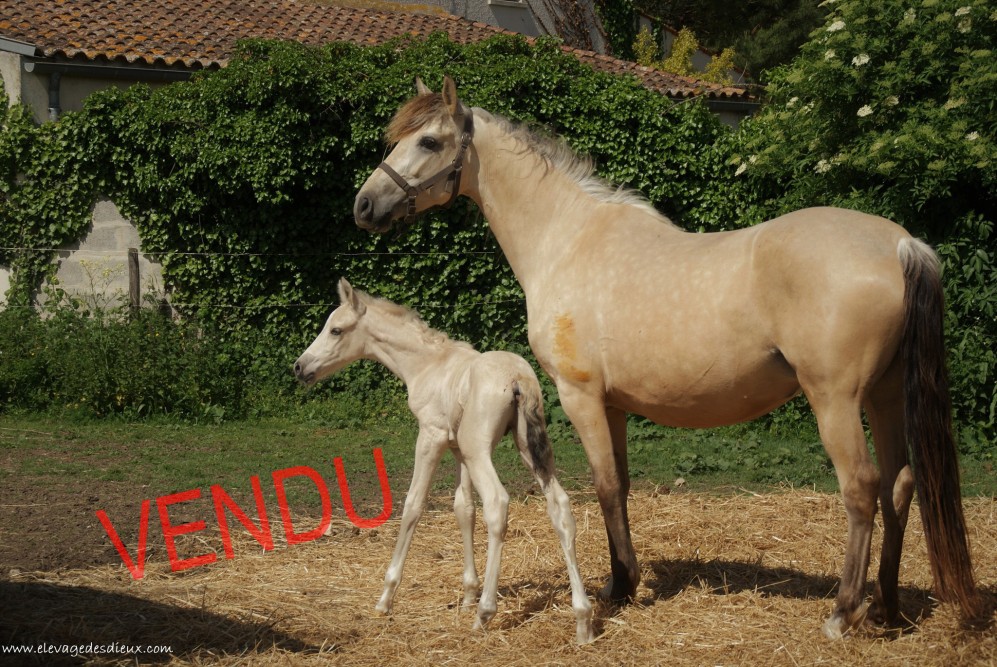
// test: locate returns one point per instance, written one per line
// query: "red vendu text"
(222, 501)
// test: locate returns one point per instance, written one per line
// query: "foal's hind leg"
(463, 506)
(479, 431)
(838, 418)
(885, 410)
(559, 510)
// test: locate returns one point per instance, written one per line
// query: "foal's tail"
(928, 424)
(531, 428)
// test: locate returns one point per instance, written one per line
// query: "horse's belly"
(714, 398)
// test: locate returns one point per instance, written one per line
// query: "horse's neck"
(533, 211)
(401, 348)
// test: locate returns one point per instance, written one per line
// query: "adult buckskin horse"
(629, 313)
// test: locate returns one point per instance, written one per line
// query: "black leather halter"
(450, 173)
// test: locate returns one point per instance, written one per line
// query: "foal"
(465, 401)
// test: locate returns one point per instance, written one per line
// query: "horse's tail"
(532, 429)
(928, 426)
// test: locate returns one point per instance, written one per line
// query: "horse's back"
(704, 329)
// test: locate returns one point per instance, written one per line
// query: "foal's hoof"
(383, 609)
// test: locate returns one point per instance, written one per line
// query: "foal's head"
(419, 173)
(341, 341)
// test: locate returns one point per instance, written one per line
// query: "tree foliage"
(679, 60)
(762, 33)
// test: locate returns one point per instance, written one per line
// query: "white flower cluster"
(966, 24)
(836, 26)
(864, 111)
(860, 59)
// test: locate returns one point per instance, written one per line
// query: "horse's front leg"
(463, 507)
(429, 447)
(603, 431)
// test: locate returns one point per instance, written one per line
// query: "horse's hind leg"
(838, 418)
(463, 507)
(885, 411)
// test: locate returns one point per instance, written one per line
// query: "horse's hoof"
(835, 627)
(840, 623)
(614, 594)
(383, 609)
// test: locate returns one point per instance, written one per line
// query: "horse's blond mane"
(554, 152)
(408, 316)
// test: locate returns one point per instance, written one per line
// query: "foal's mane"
(554, 152)
(408, 316)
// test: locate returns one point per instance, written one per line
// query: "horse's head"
(339, 344)
(431, 134)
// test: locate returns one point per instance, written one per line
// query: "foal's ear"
(421, 88)
(450, 100)
(347, 295)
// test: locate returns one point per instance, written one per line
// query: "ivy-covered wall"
(242, 182)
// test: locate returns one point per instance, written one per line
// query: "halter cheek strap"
(451, 173)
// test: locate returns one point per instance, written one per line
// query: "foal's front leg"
(429, 447)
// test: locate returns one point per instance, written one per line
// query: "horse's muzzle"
(364, 215)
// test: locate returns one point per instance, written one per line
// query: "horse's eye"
(335, 331)
(429, 143)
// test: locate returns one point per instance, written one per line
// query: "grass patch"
(163, 457)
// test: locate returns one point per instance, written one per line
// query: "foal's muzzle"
(301, 372)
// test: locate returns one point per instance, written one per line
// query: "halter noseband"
(451, 173)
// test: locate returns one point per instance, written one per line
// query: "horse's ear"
(421, 88)
(450, 100)
(348, 295)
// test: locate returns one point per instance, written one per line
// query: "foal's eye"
(335, 331)
(429, 143)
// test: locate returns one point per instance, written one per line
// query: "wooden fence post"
(134, 284)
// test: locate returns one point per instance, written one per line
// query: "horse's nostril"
(297, 368)
(365, 209)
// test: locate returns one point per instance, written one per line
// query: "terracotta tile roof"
(197, 34)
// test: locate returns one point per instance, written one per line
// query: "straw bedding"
(727, 580)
